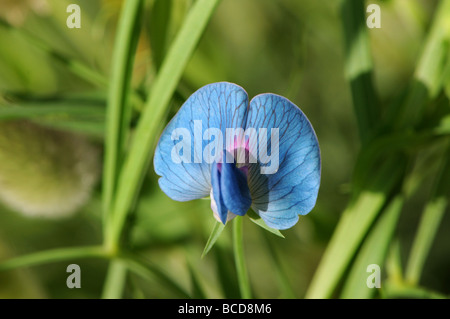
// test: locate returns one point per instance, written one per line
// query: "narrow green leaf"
(155, 110)
(53, 255)
(394, 267)
(118, 110)
(373, 251)
(215, 234)
(358, 67)
(159, 25)
(429, 77)
(57, 109)
(82, 118)
(429, 224)
(431, 64)
(260, 222)
(349, 232)
(91, 128)
(84, 115)
(118, 114)
(352, 228)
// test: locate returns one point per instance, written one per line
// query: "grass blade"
(159, 29)
(358, 67)
(352, 228)
(155, 110)
(373, 251)
(118, 112)
(429, 75)
(429, 224)
(53, 255)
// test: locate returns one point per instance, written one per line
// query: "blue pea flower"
(262, 154)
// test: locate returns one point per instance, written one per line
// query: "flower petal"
(217, 203)
(187, 176)
(234, 189)
(291, 186)
(230, 195)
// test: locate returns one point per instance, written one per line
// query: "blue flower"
(263, 154)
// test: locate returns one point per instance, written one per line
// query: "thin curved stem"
(55, 255)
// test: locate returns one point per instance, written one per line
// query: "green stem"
(54, 255)
(115, 280)
(241, 269)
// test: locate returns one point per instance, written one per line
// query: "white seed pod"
(44, 172)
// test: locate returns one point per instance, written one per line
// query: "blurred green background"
(295, 48)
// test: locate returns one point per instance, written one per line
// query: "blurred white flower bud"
(16, 11)
(44, 172)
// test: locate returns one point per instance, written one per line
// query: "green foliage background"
(378, 100)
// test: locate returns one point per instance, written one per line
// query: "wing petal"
(290, 187)
(185, 173)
